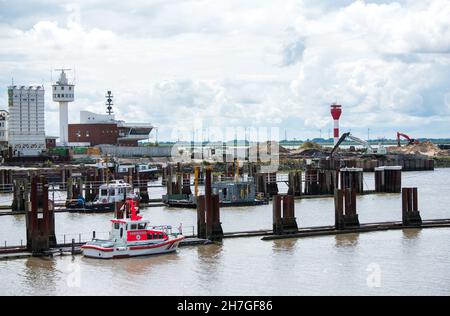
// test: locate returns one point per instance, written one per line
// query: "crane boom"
(370, 150)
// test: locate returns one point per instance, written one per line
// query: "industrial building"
(104, 129)
(26, 125)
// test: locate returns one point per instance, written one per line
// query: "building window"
(87, 133)
(54, 88)
(70, 88)
(58, 95)
(62, 88)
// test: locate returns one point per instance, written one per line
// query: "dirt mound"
(425, 148)
(263, 147)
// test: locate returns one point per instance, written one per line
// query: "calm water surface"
(401, 262)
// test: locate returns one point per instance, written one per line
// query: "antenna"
(109, 103)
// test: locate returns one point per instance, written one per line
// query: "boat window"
(142, 226)
(116, 225)
(133, 226)
(103, 192)
(121, 232)
(150, 236)
(111, 192)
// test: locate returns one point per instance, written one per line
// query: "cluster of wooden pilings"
(369, 165)
(177, 182)
(208, 213)
(6, 179)
(346, 215)
(352, 178)
(40, 229)
(319, 181)
(410, 207)
(266, 183)
(388, 179)
(346, 212)
(284, 221)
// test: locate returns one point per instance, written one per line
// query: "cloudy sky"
(234, 63)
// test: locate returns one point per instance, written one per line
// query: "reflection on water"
(40, 273)
(285, 244)
(411, 233)
(412, 261)
(347, 240)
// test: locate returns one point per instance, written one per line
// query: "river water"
(394, 262)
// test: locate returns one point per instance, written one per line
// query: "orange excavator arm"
(411, 141)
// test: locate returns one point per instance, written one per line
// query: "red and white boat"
(132, 236)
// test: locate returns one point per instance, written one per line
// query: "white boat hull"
(98, 252)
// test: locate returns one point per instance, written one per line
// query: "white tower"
(63, 92)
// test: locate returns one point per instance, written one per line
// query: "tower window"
(62, 88)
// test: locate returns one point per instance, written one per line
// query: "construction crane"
(369, 149)
(411, 141)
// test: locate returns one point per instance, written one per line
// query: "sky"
(233, 64)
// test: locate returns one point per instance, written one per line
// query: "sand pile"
(425, 148)
(264, 146)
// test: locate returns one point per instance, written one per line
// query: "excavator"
(369, 149)
(411, 141)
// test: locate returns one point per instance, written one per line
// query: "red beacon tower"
(336, 111)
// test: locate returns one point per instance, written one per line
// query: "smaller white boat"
(109, 194)
(115, 191)
(132, 236)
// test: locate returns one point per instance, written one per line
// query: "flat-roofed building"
(100, 129)
(26, 124)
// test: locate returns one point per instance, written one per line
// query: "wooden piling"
(410, 209)
(346, 215)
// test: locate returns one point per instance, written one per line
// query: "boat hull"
(98, 252)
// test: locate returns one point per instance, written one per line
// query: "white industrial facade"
(26, 124)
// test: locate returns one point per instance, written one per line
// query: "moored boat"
(109, 194)
(132, 236)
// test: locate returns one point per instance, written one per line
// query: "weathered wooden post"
(40, 231)
(276, 211)
(186, 189)
(201, 218)
(345, 209)
(295, 183)
(410, 209)
(388, 179)
(352, 178)
(212, 206)
(20, 195)
(284, 222)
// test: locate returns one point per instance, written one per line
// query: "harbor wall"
(129, 152)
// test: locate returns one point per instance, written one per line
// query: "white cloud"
(237, 63)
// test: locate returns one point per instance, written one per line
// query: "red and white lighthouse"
(336, 111)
